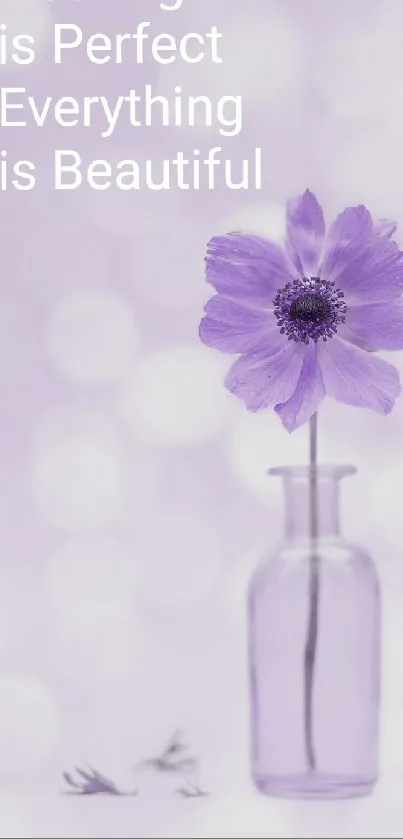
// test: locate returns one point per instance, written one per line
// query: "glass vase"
(314, 651)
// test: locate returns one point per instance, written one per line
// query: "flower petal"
(356, 377)
(308, 394)
(247, 267)
(231, 327)
(347, 237)
(378, 326)
(385, 227)
(305, 232)
(366, 266)
(263, 379)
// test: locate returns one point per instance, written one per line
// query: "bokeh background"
(133, 488)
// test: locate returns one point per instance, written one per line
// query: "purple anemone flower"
(305, 319)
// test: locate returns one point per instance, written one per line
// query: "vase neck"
(312, 501)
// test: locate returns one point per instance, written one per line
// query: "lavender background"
(133, 488)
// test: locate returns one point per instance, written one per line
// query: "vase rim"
(322, 470)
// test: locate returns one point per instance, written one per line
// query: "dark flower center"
(309, 309)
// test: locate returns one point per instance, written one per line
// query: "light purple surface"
(346, 673)
(134, 494)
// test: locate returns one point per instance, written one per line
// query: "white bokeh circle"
(89, 582)
(271, 51)
(172, 275)
(94, 658)
(360, 70)
(178, 560)
(77, 481)
(28, 18)
(142, 475)
(176, 396)
(29, 723)
(259, 442)
(20, 606)
(18, 342)
(75, 255)
(92, 336)
(131, 213)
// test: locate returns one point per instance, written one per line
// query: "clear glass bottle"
(314, 652)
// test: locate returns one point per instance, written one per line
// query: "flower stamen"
(309, 309)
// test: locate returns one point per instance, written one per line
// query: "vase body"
(314, 652)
